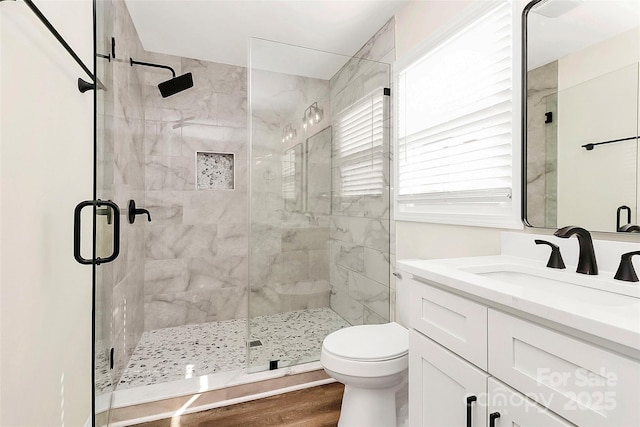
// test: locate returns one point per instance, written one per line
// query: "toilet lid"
(369, 342)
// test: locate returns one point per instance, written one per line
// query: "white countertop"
(595, 305)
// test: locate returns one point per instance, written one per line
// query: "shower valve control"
(133, 211)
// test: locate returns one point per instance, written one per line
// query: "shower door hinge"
(387, 91)
(112, 360)
(113, 47)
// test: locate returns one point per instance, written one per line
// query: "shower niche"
(215, 171)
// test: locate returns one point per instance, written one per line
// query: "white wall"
(599, 59)
(46, 168)
(414, 23)
(420, 19)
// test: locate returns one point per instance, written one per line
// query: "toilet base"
(368, 407)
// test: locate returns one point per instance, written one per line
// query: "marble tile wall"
(120, 119)
(289, 242)
(542, 145)
(195, 248)
(361, 254)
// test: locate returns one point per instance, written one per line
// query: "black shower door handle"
(76, 231)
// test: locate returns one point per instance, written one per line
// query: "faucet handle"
(626, 271)
(555, 259)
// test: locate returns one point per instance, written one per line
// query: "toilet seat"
(368, 343)
(367, 350)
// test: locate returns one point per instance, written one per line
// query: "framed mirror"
(580, 114)
(293, 179)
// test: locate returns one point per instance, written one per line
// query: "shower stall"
(268, 190)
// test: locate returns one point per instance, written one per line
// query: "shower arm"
(148, 64)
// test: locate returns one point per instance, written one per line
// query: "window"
(455, 127)
(358, 147)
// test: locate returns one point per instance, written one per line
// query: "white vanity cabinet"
(529, 374)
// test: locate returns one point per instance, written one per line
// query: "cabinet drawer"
(585, 384)
(514, 409)
(452, 321)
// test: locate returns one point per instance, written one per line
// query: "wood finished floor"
(311, 407)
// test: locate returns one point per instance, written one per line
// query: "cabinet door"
(514, 409)
(440, 384)
(581, 382)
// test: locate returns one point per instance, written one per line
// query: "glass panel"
(120, 177)
(319, 257)
(104, 383)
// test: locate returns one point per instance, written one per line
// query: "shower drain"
(255, 343)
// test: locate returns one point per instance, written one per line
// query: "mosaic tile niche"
(214, 171)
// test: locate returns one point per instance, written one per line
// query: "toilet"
(372, 362)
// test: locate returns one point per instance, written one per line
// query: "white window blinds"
(455, 125)
(289, 175)
(358, 146)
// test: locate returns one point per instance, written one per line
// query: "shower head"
(172, 86)
(175, 85)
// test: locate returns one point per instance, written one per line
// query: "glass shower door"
(104, 381)
(319, 200)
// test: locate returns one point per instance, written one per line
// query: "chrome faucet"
(587, 258)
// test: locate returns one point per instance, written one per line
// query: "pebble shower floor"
(189, 351)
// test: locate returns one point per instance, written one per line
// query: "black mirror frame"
(523, 130)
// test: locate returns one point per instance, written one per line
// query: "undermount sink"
(553, 279)
(522, 277)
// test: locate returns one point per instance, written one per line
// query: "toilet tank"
(402, 297)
